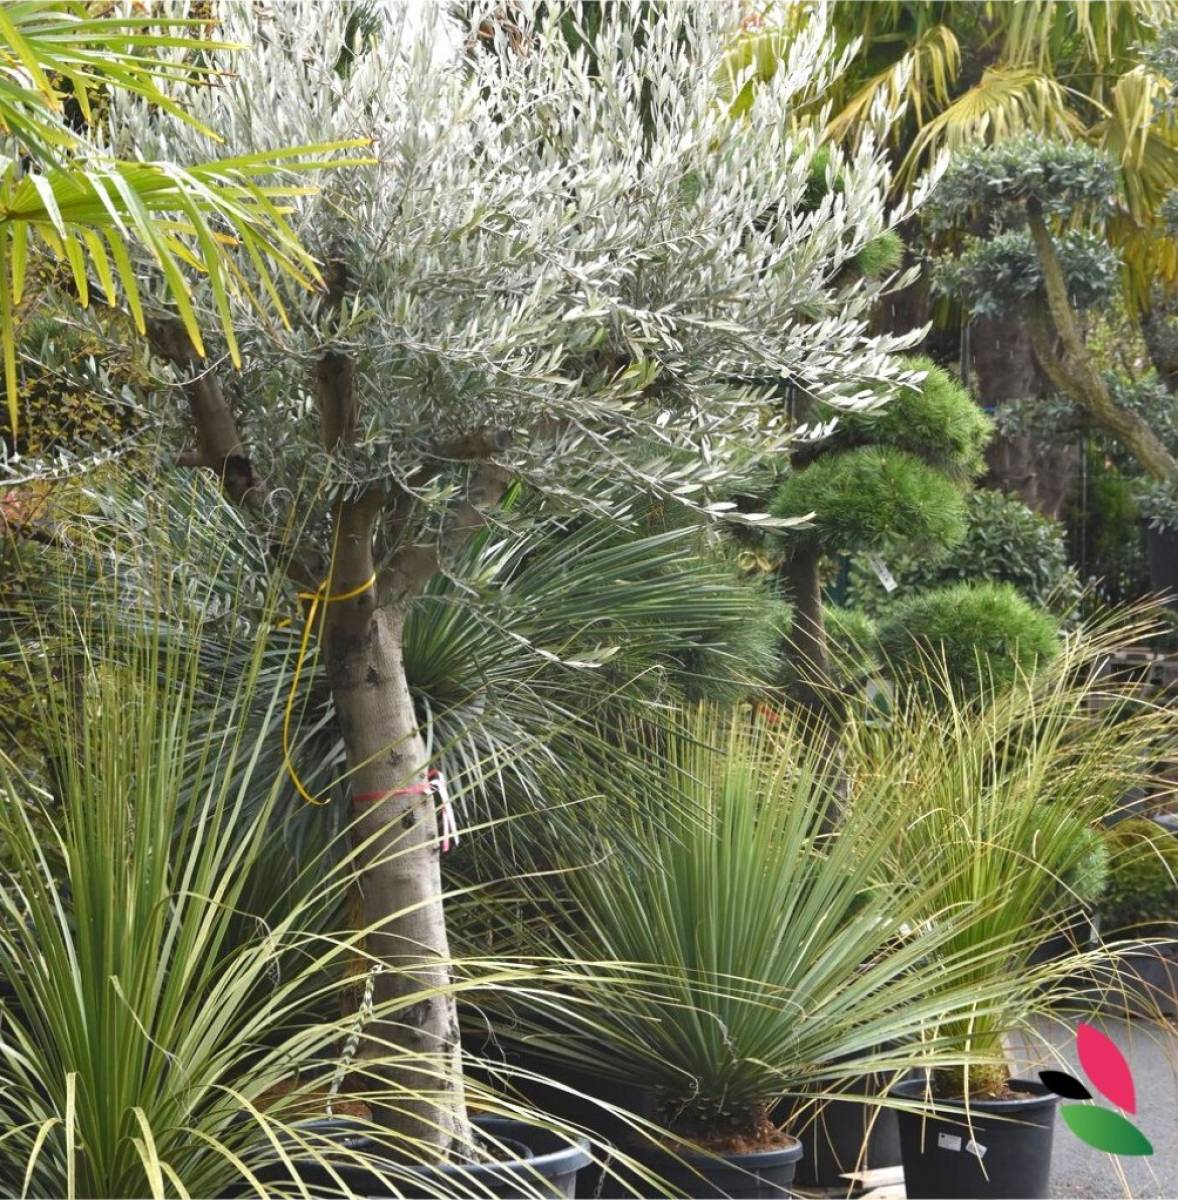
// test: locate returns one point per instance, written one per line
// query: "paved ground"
(1152, 1053)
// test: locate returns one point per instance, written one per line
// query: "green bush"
(937, 421)
(880, 255)
(871, 498)
(990, 275)
(1142, 886)
(993, 180)
(1005, 542)
(974, 636)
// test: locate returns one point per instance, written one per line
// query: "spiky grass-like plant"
(169, 1022)
(1001, 799)
(772, 956)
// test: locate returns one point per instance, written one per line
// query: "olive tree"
(574, 271)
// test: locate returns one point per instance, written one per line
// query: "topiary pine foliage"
(937, 421)
(988, 274)
(976, 638)
(997, 182)
(873, 498)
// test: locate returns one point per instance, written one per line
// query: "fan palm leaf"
(921, 77)
(59, 194)
(1004, 103)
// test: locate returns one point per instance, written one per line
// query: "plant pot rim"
(746, 1159)
(567, 1158)
(917, 1089)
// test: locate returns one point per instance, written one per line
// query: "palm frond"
(51, 51)
(1098, 34)
(1005, 102)
(90, 215)
(1138, 134)
(922, 77)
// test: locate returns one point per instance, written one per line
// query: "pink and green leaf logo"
(1106, 1067)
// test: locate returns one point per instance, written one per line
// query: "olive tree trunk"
(415, 1040)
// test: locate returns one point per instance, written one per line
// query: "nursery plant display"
(770, 957)
(485, 318)
(1004, 796)
(171, 1011)
(507, 687)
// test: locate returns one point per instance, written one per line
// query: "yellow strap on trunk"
(315, 598)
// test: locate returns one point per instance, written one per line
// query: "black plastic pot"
(562, 1091)
(547, 1165)
(1148, 981)
(760, 1175)
(842, 1136)
(1075, 933)
(1163, 562)
(1001, 1150)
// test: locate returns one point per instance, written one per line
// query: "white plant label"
(976, 1149)
(880, 568)
(948, 1141)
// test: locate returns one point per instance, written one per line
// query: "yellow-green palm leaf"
(51, 49)
(1005, 102)
(921, 77)
(93, 215)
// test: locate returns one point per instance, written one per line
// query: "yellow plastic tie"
(317, 597)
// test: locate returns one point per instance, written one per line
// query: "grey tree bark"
(415, 1042)
(1072, 370)
(1038, 472)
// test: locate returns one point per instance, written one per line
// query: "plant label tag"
(948, 1141)
(976, 1149)
(880, 568)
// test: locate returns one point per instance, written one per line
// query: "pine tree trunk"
(803, 586)
(401, 876)
(1035, 470)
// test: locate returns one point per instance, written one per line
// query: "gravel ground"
(1152, 1053)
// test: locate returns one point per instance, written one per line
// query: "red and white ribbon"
(449, 824)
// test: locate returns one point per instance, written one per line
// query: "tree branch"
(219, 444)
(1074, 372)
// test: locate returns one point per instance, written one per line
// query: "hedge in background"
(1004, 542)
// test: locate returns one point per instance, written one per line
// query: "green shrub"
(974, 636)
(880, 255)
(1005, 542)
(937, 421)
(994, 180)
(871, 498)
(990, 275)
(1142, 886)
